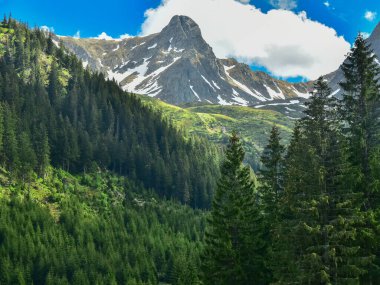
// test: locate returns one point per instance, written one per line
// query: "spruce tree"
(360, 112)
(234, 246)
(359, 108)
(271, 174)
(271, 191)
(321, 211)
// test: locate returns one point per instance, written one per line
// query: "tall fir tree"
(270, 192)
(360, 113)
(321, 211)
(359, 108)
(271, 174)
(234, 246)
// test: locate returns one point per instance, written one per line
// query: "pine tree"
(234, 245)
(360, 112)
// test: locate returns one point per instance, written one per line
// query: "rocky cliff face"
(337, 76)
(178, 66)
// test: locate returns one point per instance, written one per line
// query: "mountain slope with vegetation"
(216, 123)
(92, 182)
(52, 111)
(95, 229)
(314, 219)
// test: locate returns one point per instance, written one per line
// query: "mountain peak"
(376, 33)
(178, 66)
(374, 40)
(183, 21)
(184, 25)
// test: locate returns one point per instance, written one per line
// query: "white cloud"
(124, 36)
(366, 35)
(244, 1)
(47, 29)
(77, 35)
(287, 44)
(284, 4)
(327, 4)
(104, 36)
(370, 15)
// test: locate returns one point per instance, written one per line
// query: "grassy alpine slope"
(216, 123)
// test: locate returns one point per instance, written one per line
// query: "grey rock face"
(178, 66)
(337, 76)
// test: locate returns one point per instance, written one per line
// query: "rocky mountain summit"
(178, 66)
(337, 76)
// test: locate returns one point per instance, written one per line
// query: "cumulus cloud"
(284, 4)
(327, 3)
(47, 29)
(287, 44)
(366, 35)
(370, 15)
(124, 36)
(77, 35)
(244, 1)
(104, 36)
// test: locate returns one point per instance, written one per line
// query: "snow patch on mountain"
(241, 101)
(222, 101)
(300, 94)
(137, 46)
(216, 85)
(208, 82)
(274, 94)
(153, 46)
(292, 102)
(195, 93)
(242, 86)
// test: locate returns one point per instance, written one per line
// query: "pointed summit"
(376, 33)
(177, 65)
(182, 32)
(184, 24)
(182, 27)
(374, 40)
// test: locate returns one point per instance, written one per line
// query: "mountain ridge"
(178, 66)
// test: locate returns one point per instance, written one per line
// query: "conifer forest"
(99, 187)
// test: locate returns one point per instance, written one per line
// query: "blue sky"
(116, 17)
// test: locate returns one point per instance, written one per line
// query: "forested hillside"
(95, 229)
(92, 181)
(52, 111)
(216, 123)
(98, 187)
(314, 219)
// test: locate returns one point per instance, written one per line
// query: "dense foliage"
(318, 200)
(105, 232)
(54, 111)
(234, 244)
(313, 219)
(216, 123)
